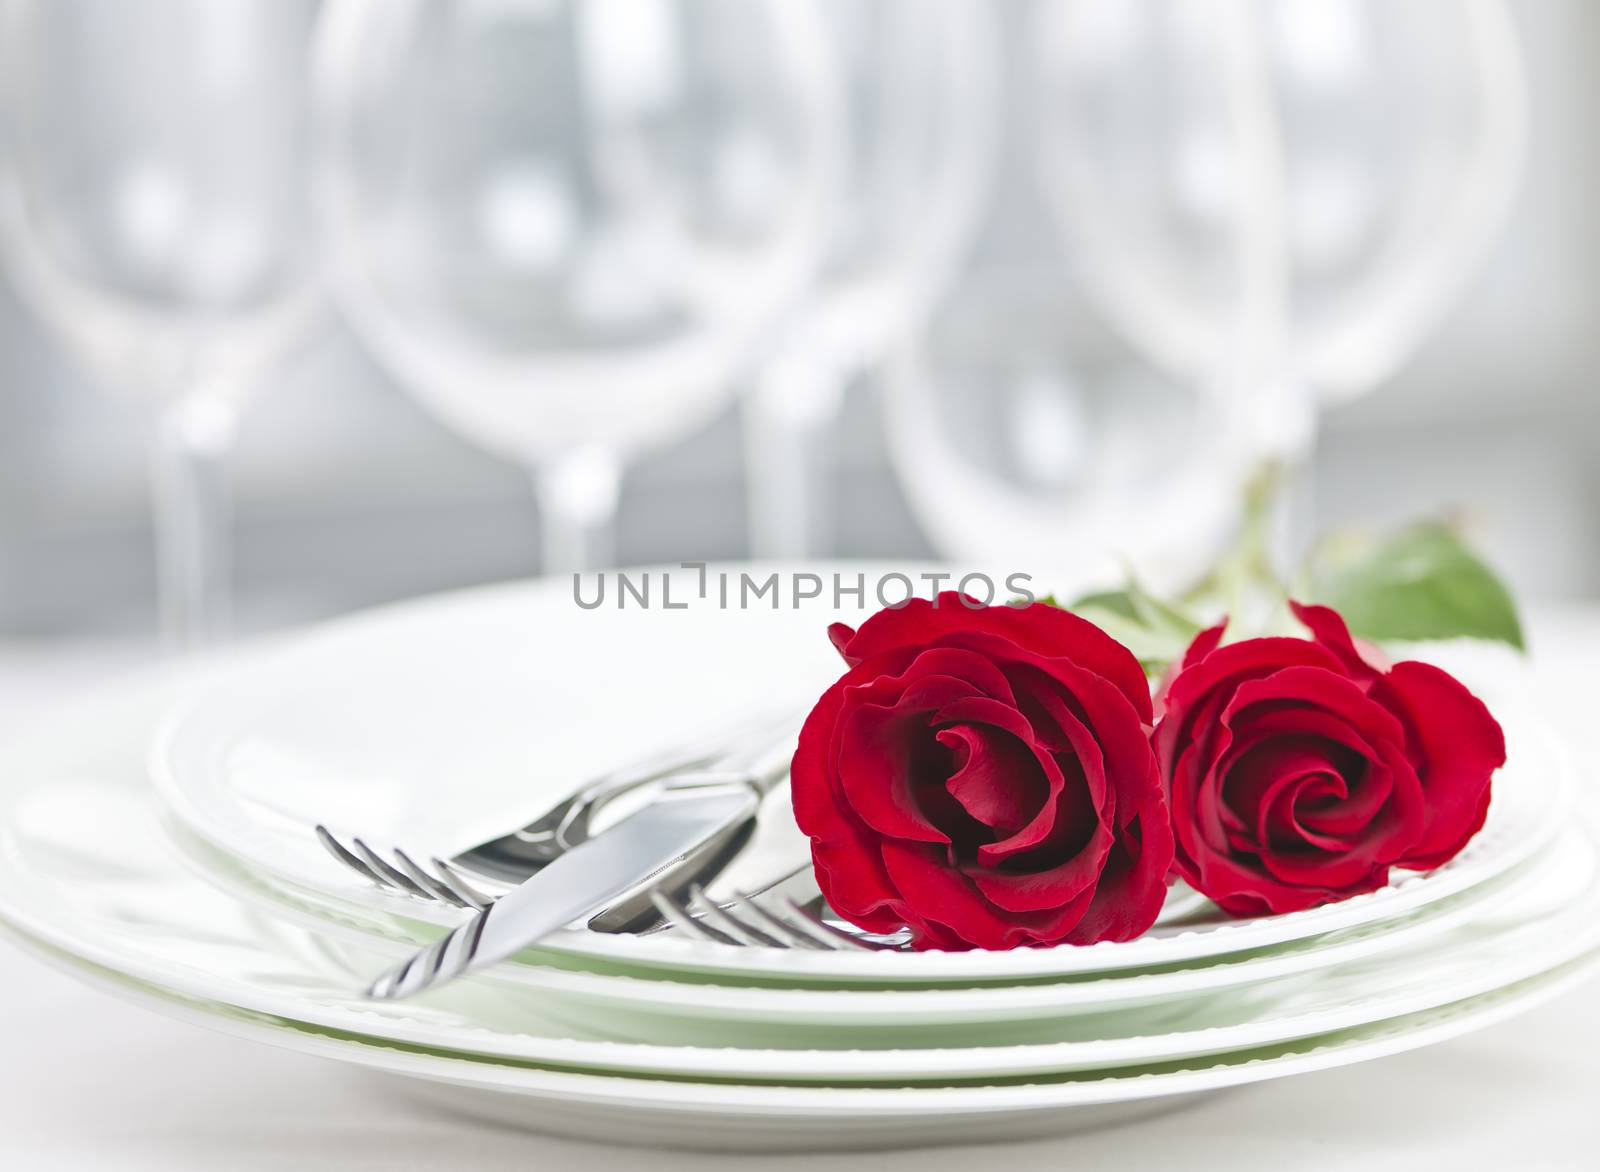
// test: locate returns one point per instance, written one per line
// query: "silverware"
(634, 856)
(775, 849)
(478, 875)
(749, 920)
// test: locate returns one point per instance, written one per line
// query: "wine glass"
(1025, 426)
(564, 225)
(1375, 154)
(1026, 434)
(919, 82)
(1370, 155)
(152, 211)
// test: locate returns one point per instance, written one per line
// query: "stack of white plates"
(170, 858)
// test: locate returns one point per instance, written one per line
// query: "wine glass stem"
(578, 494)
(1299, 521)
(789, 419)
(189, 484)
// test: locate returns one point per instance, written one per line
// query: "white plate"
(674, 1011)
(435, 724)
(106, 890)
(739, 1117)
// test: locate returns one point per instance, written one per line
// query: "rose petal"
(895, 676)
(992, 713)
(998, 779)
(1253, 784)
(1035, 891)
(1400, 821)
(1042, 628)
(1203, 644)
(1104, 725)
(889, 761)
(1236, 663)
(853, 880)
(948, 897)
(1294, 721)
(980, 671)
(844, 852)
(1367, 789)
(1314, 688)
(1331, 874)
(1387, 799)
(1132, 885)
(1057, 727)
(1461, 745)
(1192, 781)
(1295, 818)
(1053, 871)
(1328, 628)
(1199, 647)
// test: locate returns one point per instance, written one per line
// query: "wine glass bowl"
(564, 226)
(1041, 414)
(1365, 153)
(1409, 128)
(919, 79)
(1024, 432)
(920, 88)
(153, 197)
(153, 213)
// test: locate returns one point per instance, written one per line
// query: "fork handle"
(762, 763)
(580, 807)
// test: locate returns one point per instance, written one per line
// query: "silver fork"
(476, 877)
(749, 920)
(480, 874)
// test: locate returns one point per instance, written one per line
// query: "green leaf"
(1117, 602)
(1420, 583)
(1156, 632)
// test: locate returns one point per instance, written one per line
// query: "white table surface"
(88, 1082)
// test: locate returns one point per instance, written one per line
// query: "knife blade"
(580, 882)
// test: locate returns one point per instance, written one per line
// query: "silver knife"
(584, 879)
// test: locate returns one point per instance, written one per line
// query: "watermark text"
(775, 590)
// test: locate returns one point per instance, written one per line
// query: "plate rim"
(844, 1005)
(1414, 1031)
(800, 1066)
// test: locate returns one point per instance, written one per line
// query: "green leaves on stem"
(1156, 632)
(1419, 583)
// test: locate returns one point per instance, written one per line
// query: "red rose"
(1299, 771)
(983, 776)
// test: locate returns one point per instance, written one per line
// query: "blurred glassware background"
(153, 213)
(919, 85)
(1033, 418)
(1257, 207)
(1194, 222)
(564, 226)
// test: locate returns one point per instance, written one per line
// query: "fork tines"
(400, 872)
(746, 922)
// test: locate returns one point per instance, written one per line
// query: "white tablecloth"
(87, 1082)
